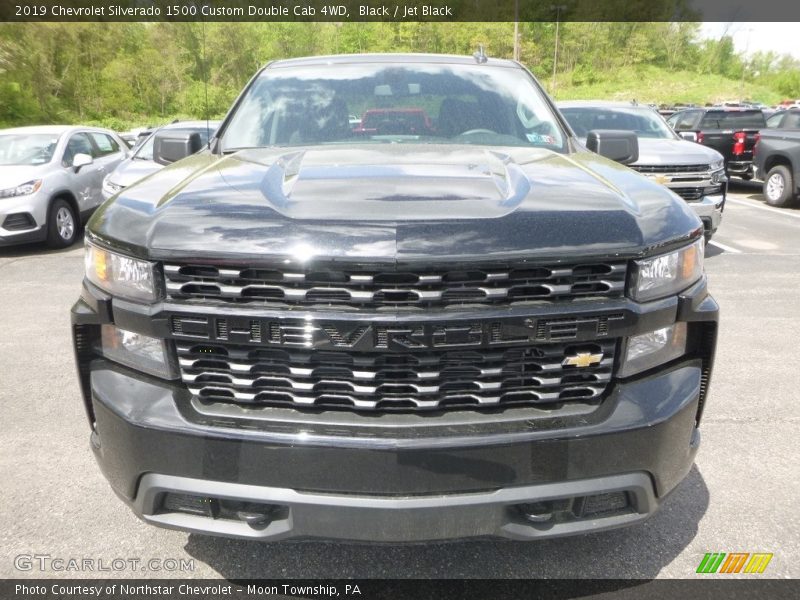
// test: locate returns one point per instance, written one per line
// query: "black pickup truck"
(480, 329)
(777, 162)
(730, 131)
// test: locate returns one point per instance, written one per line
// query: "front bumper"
(396, 488)
(709, 209)
(32, 208)
(517, 474)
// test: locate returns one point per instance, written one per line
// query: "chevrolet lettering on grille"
(395, 337)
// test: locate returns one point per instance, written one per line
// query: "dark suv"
(307, 331)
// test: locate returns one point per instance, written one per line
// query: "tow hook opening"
(546, 513)
(255, 514)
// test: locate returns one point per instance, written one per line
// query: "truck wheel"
(779, 187)
(62, 225)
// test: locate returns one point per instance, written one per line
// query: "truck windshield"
(25, 149)
(393, 103)
(733, 119)
(644, 122)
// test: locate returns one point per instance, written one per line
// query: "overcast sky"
(752, 37)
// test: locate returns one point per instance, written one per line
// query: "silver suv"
(51, 180)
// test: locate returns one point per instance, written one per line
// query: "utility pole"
(744, 63)
(558, 8)
(516, 30)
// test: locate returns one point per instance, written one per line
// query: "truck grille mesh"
(689, 193)
(701, 168)
(333, 285)
(431, 380)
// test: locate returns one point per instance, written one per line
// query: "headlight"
(109, 187)
(717, 169)
(717, 165)
(121, 275)
(667, 274)
(648, 350)
(140, 352)
(26, 189)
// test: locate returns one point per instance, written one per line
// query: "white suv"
(51, 180)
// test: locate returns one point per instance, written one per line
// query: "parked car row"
(53, 177)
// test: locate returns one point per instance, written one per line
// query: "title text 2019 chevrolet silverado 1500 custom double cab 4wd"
(479, 330)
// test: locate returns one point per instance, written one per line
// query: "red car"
(395, 121)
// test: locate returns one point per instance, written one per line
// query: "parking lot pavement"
(740, 496)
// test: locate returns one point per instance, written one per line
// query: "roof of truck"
(456, 59)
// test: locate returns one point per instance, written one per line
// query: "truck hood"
(654, 152)
(392, 202)
(14, 175)
(131, 170)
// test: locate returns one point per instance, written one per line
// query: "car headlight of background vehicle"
(138, 351)
(25, 189)
(718, 175)
(654, 348)
(121, 275)
(667, 274)
(109, 187)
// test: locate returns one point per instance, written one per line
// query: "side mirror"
(620, 146)
(81, 160)
(171, 146)
(688, 135)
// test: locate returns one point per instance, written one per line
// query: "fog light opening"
(604, 505)
(255, 514)
(190, 504)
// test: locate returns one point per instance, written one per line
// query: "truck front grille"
(378, 287)
(431, 380)
(689, 194)
(701, 168)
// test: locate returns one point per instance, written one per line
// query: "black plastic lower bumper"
(393, 489)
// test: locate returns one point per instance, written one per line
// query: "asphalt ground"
(741, 496)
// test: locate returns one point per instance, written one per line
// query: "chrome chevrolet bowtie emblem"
(662, 179)
(583, 359)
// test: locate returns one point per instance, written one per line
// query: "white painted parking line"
(724, 248)
(778, 211)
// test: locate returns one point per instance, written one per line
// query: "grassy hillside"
(649, 84)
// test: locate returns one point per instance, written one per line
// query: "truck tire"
(62, 224)
(779, 187)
